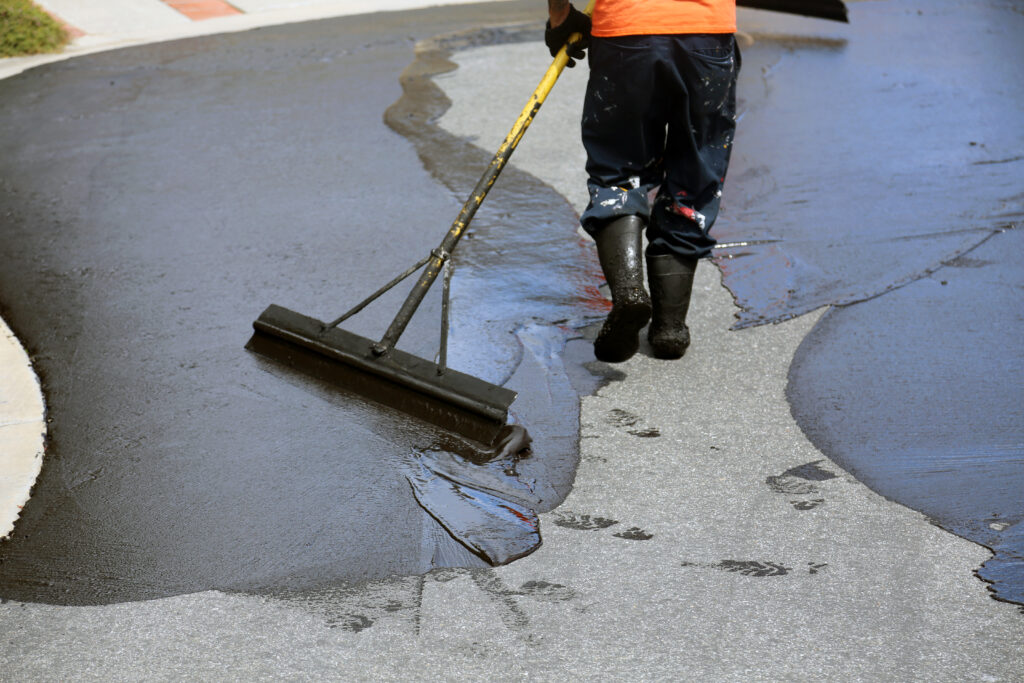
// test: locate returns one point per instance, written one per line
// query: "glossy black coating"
(420, 387)
(153, 201)
(486, 506)
(928, 408)
(864, 159)
(894, 194)
(821, 9)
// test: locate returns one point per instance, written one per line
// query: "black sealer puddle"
(485, 506)
(198, 466)
(523, 263)
(911, 384)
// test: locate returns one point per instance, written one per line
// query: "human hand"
(556, 36)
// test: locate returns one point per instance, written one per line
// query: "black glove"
(576, 22)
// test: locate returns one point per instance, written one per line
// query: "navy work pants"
(660, 111)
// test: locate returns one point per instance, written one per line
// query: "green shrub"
(25, 29)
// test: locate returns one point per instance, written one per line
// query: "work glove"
(555, 38)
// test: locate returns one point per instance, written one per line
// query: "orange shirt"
(644, 17)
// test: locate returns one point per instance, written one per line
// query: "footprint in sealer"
(756, 568)
(634, 533)
(799, 481)
(744, 567)
(351, 622)
(807, 504)
(571, 520)
(631, 422)
(753, 568)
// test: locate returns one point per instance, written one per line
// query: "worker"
(659, 112)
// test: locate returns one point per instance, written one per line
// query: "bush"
(25, 29)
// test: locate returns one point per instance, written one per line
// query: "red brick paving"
(73, 31)
(197, 10)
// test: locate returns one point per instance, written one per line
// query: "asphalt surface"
(178, 219)
(926, 409)
(725, 548)
(914, 381)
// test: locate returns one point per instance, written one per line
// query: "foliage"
(25, 29)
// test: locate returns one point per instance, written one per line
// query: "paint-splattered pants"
(660, 111)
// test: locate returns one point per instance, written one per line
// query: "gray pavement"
(727, 548)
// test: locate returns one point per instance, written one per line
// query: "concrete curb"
(22, 429)
(115, 37)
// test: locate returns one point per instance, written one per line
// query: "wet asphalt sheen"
(155, 200)
(898, 200)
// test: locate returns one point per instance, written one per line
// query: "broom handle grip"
(476, 198)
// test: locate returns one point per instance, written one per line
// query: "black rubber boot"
(619, 246)
(671, 279)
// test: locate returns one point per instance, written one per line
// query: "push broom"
(426, 390)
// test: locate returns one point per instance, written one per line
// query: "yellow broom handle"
(476, 198)
(541, 93)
